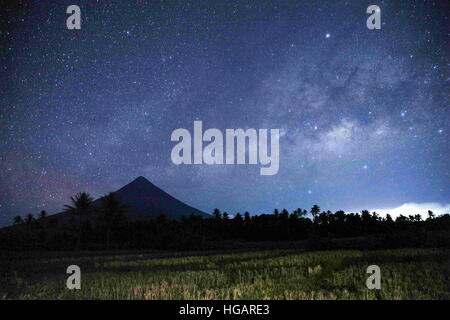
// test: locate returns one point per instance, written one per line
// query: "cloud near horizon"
(412, 208)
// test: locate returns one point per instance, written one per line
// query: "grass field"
(274, 274)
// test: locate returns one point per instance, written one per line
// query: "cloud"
(412, 208)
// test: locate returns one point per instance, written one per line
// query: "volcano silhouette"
(147, 200)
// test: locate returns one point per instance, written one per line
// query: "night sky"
(363, 114)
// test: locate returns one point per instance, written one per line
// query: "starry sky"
(363, 114)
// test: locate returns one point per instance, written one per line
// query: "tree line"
(103, 225)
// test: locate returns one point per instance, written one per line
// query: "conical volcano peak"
(139, 182)
(146, 200)
(141, 179)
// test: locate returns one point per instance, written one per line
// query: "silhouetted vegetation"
(236, 256)
(81, 206)
(104, 225)
(18, 220)
(43, 214)
(112, 212)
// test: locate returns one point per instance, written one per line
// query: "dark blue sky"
(364, 114)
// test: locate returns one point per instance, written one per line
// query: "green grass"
(275, 274)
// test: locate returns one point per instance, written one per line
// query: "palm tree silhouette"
(29, 218)
(81, 206)
(315, 210)
(247, 216)
(238, 217)
(111, 212)
(43, 214)
(18, 220)
(298, 212)
(217, 214)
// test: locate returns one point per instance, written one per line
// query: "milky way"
(363, 114)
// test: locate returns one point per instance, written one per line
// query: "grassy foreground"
(275, 274)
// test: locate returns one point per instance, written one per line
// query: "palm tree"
(276, 213)
(112, 211)
(216, 214)
(43, 214)
(300, 213)
(81, 206)
(315, 210)
(29, 219)
(238, 217)
(18, 220)
(389, 218)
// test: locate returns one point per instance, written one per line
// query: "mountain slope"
(147, 200)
